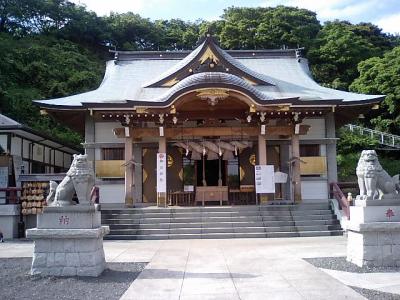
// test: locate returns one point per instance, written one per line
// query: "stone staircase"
(265, 221)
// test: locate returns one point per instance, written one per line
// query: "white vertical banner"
(264, 179)
(161, 172)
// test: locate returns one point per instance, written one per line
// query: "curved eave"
(56, 106)
(130, 103)
(372, 101)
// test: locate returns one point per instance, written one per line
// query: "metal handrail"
(382, 138)
(341, 198)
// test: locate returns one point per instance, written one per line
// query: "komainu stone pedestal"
(68, 241)
(374, 233)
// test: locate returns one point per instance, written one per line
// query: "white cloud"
(390, 23)
(104, 7)
(330, 9)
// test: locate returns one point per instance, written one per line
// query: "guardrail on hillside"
(382, 138)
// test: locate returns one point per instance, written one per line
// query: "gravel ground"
(341, 264)
(375, 295)
(16, 283)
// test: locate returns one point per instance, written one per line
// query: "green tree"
(271, 27)
(130, 31)
(41, 67)
(340, 46)
(381, 75)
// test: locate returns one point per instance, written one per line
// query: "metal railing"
(337, 193)
(382, 138)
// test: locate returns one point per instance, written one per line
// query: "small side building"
(24, 151)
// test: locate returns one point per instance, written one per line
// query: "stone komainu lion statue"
(79, 179)
(374, 182)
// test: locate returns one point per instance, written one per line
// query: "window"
(233, 173)
(188, 172)
(112, 153)
(309, 150)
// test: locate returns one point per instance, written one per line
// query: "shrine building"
(215, 114)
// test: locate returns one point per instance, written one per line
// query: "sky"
(384, 13)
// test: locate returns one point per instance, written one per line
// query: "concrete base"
(68, 242)
(374, 233)
(9, 217)
(374, 244)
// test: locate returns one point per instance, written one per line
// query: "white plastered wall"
(38, 151)
(111, 193)
(314, 190)
(3, 141)
(26, 149)
(16, 144)
(59, 159)
(104, 132)
(317, 129)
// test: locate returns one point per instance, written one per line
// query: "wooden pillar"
(296, 179)
(262, 150)
(162, 144)
(129, 171)
(162, 148)
(262, 160)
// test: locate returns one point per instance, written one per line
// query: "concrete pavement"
(224, 269)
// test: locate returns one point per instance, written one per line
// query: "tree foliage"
(270, 27)
(55, 48)
(339, 47)
(381, 76)
(39, 67)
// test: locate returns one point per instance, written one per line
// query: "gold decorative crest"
(241, 173)
(252, 159)
(170, 161)
(209, 54)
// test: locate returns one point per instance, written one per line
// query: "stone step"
(125, 224)
(317, 206)
(259, 218)
(222, 222)
(224, 235)
(295, 212)
(303, 228)
(187, 225)
(216, 214)
(232, 209)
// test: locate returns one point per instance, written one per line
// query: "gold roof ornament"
(171, 82)
(251, 82)
(208, 54)
(212, 96)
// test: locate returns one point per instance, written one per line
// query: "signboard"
(264, 179)
(161, 172)
(280, 177)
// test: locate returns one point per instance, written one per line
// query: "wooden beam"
(174, 133)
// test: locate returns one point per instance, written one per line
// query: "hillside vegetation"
(54, 48)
